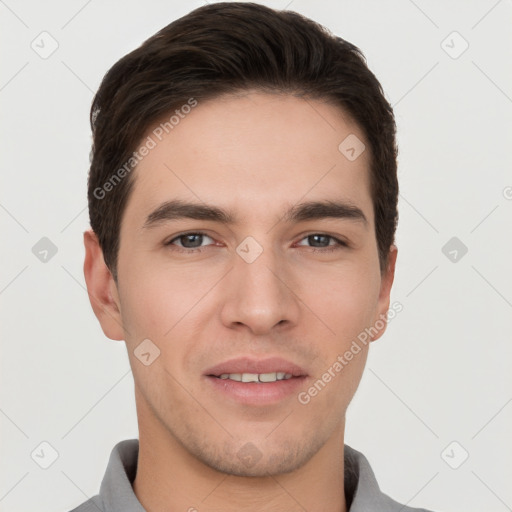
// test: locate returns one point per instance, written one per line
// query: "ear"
(102, 288)
(384, 295)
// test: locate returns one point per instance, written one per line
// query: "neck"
(169, 478)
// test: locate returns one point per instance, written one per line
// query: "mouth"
(256, 382)
(254, 377)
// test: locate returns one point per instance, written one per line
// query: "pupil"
(315, 238)
(188, 238)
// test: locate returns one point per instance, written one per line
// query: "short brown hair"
(223, 48)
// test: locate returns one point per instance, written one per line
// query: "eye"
(193, 242)
(321, 242)
(188, 241)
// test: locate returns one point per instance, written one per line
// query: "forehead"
(252, 153)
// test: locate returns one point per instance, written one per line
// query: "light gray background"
(441, 373)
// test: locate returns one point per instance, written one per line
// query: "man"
(243, 205)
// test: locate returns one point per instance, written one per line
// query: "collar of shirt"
(116, 494)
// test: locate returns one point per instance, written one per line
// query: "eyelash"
(340, 244)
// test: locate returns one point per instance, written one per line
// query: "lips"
(245, 381)
(247, 365)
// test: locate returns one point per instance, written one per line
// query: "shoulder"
(362, 490)
(387, 504)
(91, 505)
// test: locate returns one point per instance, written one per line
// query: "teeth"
(256, 377)
(267, 377)
(249, 377)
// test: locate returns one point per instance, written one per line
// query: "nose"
(260, 295)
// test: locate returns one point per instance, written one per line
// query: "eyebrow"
(312, 210)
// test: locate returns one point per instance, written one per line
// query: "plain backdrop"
(433, 412)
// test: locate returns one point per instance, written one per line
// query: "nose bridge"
(259, 295)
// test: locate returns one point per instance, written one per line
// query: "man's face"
(208, 299)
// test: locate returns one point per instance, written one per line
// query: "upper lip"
(251, 365)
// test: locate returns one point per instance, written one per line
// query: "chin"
(259, 458)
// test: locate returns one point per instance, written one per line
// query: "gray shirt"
(116, 494)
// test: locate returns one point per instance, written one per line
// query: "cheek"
(157, 296)
(166, 306)
(345, 299)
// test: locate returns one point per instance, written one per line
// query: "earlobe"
(380, 321)
(102, 289)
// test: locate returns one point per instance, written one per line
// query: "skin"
(256, 154)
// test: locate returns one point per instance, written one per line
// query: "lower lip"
(257, 393)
